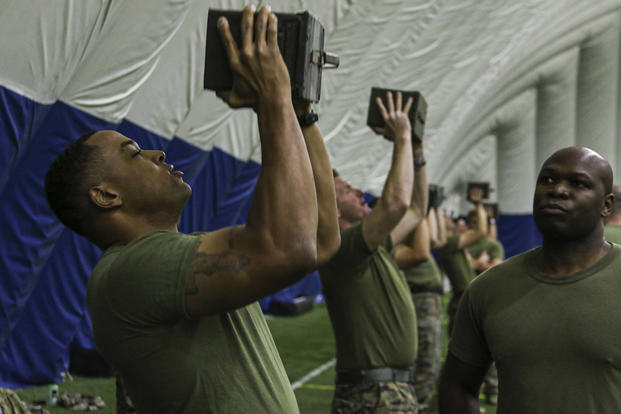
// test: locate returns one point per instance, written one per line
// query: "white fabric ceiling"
(507, 82)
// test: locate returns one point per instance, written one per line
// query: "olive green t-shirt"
(554, 338)
(170, 363)
(612, 233)
(370, 306)
(494, 249)
(424, 275)
(455, 264)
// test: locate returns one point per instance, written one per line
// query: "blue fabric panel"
(234, 200)
(28, 232)
(518, 233)
(19, 119)
(84, 334)
(222, 170)
(54, 314)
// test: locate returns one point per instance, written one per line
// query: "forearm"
(397, 191)
(420, 193)
(284, 209)
(328, 235)
(481, 219)
(440, 219)
(417, 251)
(492, 230)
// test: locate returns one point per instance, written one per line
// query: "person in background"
(612, 230)
(488, 251)
(551, 317)
(453, 257)
(425, 282)
(176, 314)
(367, 297)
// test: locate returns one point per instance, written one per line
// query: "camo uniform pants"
(375, 398)
(429, 316)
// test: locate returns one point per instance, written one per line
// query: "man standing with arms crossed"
(453, 257)
(176, 314)
(551, 317)
(368, 299)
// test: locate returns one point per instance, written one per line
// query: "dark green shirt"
(455, 264)
(494, 249)
(612, 233)
(554, 338)
(370, 306)
(170, 363)
(424, 275)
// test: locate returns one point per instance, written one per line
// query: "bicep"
(229, 271)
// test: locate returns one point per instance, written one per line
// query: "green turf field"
(305, 343)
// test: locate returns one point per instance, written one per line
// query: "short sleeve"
(496, 250)
(146, 282)
(353, 249)
(468, 341)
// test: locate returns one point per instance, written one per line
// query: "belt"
(424, 289)
(375, 375)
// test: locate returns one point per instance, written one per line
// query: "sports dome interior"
(507, 83)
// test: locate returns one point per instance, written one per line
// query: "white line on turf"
(313, 373)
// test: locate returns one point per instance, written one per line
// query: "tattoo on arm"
(205, 265)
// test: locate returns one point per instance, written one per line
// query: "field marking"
(313, 374)
(318, 387)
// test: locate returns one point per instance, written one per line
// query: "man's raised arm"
(420, 197)
(397, 193)
(328, 235)
(236, 266)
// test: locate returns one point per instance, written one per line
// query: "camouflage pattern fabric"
(429, 316)
(10, 403)
(375, 398)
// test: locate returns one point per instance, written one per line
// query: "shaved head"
(589, 159)
(573, 195)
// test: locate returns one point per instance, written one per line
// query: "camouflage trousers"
(429, 316)
(10, 403)
(375, 398)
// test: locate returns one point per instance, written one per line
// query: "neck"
(565, 257)
(125, 231)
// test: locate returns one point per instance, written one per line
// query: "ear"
(609, 200)
(105, 197)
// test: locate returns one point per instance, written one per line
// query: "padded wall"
(506, 83)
